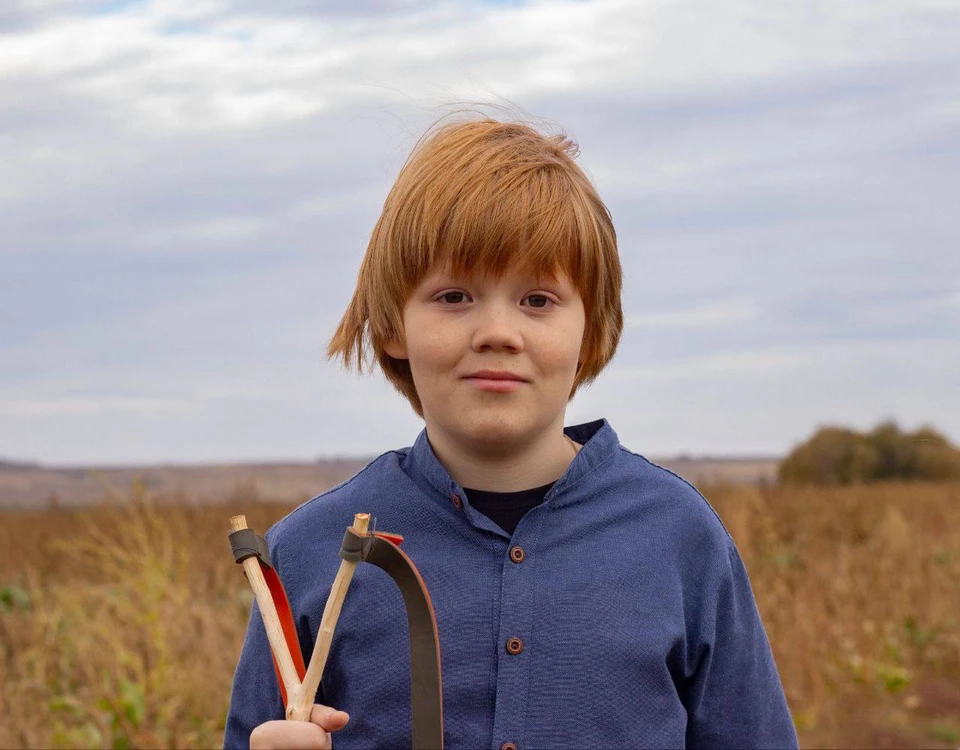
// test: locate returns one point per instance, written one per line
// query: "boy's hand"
(300, 735)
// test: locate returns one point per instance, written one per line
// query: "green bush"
(841, 456)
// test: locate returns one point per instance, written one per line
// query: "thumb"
(328, 719)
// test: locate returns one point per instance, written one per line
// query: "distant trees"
(837, 455)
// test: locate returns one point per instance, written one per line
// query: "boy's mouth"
(499, 381)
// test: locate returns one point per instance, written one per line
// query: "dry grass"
(120, 626)
(859, 589)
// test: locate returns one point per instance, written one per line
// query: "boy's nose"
(497, 332)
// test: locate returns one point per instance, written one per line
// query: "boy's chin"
(499, 435)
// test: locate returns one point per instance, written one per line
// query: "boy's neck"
(531, 465)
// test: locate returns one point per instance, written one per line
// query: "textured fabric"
(636, 623)
(506, 509)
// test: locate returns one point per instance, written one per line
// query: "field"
(120, 623)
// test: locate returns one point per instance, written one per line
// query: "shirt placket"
(515, 644)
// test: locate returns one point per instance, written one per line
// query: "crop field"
(121, 623)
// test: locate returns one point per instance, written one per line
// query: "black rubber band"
(245, 543)
(426, 692)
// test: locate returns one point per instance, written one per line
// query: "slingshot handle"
(271, 620)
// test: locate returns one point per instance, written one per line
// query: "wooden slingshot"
(299, 684)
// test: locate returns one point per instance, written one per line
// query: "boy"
(584, 597)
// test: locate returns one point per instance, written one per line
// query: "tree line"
(840, 456)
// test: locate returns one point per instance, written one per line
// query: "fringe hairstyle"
(480, 197)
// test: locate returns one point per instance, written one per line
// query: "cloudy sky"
(187, 187)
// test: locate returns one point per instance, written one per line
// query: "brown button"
(508, 746)
(457, 501)
(517, 554)
(514, 646)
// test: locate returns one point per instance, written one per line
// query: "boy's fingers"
(328, 718)
(289, 735)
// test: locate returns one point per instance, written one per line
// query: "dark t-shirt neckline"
(507, 508)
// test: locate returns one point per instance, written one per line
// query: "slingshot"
(298, 684)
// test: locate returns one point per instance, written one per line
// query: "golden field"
(120, 624)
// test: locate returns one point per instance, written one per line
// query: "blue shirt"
(638, 624)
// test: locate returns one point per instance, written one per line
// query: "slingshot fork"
(300, 687)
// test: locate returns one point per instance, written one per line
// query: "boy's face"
(493, 361)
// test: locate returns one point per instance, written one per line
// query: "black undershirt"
(507, 508)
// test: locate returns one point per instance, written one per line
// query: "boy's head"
(481, 198)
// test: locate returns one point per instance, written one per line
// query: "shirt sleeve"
(256, 693)
(734, 697)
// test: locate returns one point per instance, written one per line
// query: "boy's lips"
(499, 381)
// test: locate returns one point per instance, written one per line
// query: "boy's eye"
(538, 300)
(453, 298)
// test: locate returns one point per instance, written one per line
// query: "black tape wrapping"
(355, 548)
(245, 543)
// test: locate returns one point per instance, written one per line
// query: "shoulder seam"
(691, 486)
(344, 483)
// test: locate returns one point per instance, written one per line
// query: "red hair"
(480, 197)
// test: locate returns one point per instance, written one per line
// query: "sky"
(187, 188)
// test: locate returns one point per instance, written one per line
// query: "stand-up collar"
(599, 442)
(598, 439)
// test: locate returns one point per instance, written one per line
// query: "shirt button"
(508, 746)
(514, 646)
(517, 554)
(457, 502)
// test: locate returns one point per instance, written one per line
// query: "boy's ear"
(395, 349)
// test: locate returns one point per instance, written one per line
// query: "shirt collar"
(600, 443)
(598, 439)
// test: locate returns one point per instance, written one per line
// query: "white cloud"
(207, 232)
(101, 406)
(933, 359)
(904, 311)
(242, 71)
(724, 364)
(706, 316)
